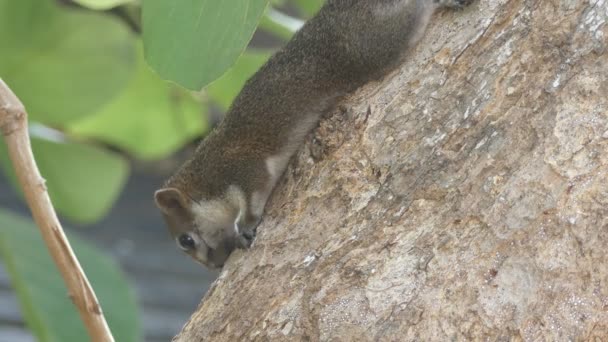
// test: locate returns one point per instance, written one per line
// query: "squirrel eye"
(186, 242)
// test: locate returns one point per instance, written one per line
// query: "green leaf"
(61, 62)
(48, 311)
(151, 119)
(101, 4)
(224, 90)
(309, 7)
(83, 181)
(193, 42)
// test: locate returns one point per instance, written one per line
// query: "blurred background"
(118, 93)
(167, 285)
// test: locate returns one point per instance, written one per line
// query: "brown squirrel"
(215, 201)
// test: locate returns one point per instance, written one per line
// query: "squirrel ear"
(171, 201)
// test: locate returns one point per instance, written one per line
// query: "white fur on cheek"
(211, 218)
(215, 218)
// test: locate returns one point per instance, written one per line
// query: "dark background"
(167, 283)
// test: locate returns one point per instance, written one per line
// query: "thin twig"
(13, 126)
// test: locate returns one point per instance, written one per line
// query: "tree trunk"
(464, 197)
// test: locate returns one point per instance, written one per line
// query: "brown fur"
(348, 43)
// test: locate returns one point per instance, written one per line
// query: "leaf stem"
(280, 24)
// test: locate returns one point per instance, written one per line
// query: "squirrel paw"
(453, 3)
(245, 239)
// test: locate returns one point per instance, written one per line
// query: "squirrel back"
(214, 202)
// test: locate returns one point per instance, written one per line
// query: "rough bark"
(464, 197)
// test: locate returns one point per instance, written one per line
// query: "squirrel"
(215, 200)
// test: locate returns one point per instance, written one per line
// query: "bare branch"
(13, 126)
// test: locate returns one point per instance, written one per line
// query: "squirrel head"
(214, 202)
(208, 229)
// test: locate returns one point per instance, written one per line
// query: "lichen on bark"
(463, 197)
